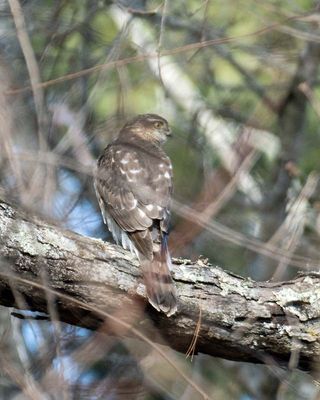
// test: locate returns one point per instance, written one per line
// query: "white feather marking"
(133, 249)
(134, 205)
(142, 213)
(127, 244)
(120, 236)
(124, 161)
(161, 165)
(169, 262)
(102, 212)
(156, 247)
(135, 171)
(149, 207)
(114, 229)
(158, 177)
(124, 240)
(167, 175)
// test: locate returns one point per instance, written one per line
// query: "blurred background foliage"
(239, 83)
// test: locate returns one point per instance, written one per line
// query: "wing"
(134, 187)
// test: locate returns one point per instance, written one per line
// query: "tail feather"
(161, 290)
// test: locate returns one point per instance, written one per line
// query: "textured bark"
(240, 319)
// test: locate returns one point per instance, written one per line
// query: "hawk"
(133, 183)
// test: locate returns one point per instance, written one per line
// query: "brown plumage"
(133, 182)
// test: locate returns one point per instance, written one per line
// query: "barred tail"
(161, 290)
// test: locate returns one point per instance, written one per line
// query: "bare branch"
(240, 319)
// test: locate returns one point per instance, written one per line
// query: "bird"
(134, 183)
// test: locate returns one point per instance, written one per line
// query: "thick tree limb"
(240, 319)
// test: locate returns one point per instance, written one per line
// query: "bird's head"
(150, 127)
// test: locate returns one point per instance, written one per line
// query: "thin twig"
(192, 347)
(143, 57)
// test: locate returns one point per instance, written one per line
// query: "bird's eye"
(158, 124)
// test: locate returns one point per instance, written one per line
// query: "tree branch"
(240, 319)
